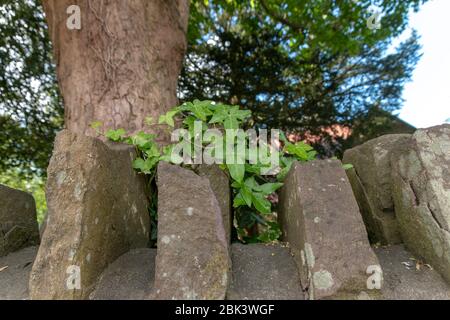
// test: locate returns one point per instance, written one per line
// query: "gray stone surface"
(264, 272)
(321, 222)
(97, 210)
(18, 221)
(220, 184)
(421, 192)
(193, 259)
(403, 281)
(371, 182)
(15, 271)
(130, 277)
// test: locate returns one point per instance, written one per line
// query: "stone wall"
(346, 235)
(410, 174)
(18, 221)
(97, 211)
(325, 231)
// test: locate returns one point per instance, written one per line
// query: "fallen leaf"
(408, 264)
(3, 268)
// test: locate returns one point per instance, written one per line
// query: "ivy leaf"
(265, 189)
(238, 201)
(230, 117)
(116, 135)
(252, 184)
(261, 203)
(312, 155)
(139, 164)
(145, 166)
(297, 151)
(168, 118)
(153, 151)
(96, 124)
(190, 123)
(269, 188)
(300, 150)
(246, 194)
(347, 166)
(236, 185)
(167, 153)
(237, 172)
(256, 168)
(287, 165)
(143, 141)
(149, 121)
(219, 115)
(272, 232)
(200, 111)
(283, 138)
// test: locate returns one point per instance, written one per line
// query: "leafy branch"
(253, 193)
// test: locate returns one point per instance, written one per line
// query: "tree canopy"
(298, 65)
(30, 105)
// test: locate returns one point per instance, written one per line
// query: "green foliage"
(229, 117)
(34, 186)
(348, 166)
(113, 135)
(251, 190)
(168, 118)
(300, 66)
(153, 211)
(30, 106)
(148, 151)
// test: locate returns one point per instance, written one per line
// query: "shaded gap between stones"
(433, 215)
(152, 196)
(414, 191)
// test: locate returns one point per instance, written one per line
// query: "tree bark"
(122, 65)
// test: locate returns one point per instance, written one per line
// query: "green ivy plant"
(255, 218)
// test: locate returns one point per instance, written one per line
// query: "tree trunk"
(122, 65)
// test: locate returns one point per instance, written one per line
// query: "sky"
(428, 95)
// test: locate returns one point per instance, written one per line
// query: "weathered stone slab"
(15, 271)
(421, 192)
(130, 277)
(264, 272)
(371, 182)
(192, 260)
(404, 281)
(220, 184)
(18, 221)
(97, 210)
(325, 231)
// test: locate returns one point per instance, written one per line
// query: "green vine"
(255, 218)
